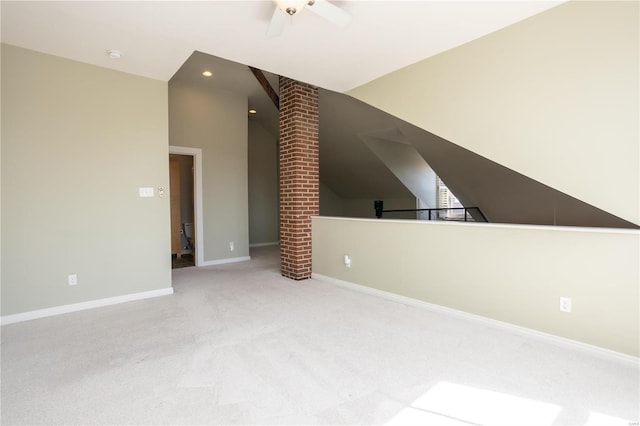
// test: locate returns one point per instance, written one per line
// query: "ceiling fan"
(322, 8)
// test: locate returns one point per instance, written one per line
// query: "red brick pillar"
(299, 175)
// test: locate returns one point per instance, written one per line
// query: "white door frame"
(196, 153)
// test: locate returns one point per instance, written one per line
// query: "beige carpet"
(239, 344)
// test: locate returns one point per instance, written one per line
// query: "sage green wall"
(216, 122)
(515, 274)
(0, 177)
(263, 185)
(77, 143)
(554, 97)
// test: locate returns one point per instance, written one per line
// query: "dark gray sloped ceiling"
(503, 195)
(347, 165)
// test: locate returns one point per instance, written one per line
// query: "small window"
(447, 200)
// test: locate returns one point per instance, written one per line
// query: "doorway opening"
(182, 213)
(185, 188)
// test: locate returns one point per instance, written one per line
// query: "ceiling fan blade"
(278, 21)
(330, 12)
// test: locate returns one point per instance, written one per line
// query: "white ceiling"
(157, 37)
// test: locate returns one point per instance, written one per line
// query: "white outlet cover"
(73, 279)
(146, 192)
(565, 304)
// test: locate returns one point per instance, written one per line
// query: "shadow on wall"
(351, 174)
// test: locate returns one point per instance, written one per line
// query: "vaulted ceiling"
(157, 37)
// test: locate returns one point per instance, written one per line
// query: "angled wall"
(347, 166)
(503, 195)
(406, 163)
(406, 157)
(554, 97)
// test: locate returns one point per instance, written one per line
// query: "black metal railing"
(456, 214)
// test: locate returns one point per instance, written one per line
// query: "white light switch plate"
(146, 192)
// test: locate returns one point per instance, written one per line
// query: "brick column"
(299, 175)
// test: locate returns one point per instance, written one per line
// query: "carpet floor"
(239, 344)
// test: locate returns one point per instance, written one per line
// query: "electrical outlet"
(347, 261)
(565, 304)
(73, 279)
(231, 246)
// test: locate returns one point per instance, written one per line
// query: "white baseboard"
(223, 261)
(65, 309)
(527, 332)
(273, 243)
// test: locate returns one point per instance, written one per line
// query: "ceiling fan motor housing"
(322, 8)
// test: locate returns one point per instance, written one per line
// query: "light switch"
(146, 192)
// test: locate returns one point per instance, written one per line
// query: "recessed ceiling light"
(207, 73)
(114, 54)
(252, 111)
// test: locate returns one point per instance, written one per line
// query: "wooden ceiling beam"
(266, 86)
